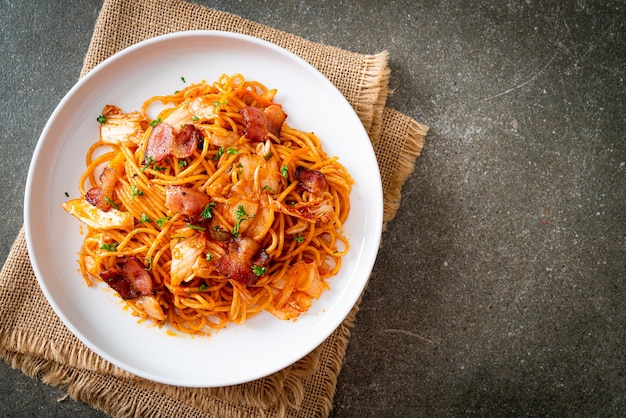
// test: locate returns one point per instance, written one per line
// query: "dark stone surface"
(500, 286)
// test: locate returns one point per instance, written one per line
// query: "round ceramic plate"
(238, 353)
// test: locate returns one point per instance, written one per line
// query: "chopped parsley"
(284, 172)
(102, 119)
(161, 221)
(155, 122)
(149, 260)
(147, 162)
(203, 287)
(145, 218)
(109, 247)
(232, 150)
(259, 270)
(135, 191)
(207, 213)
(208, 257)
(111, 202)
(158, 168)
(240, 216)
(220, 152)
(298, 238)
(183, 79)
(195, 118)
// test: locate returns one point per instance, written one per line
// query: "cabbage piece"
(97, 219)
(123, 128)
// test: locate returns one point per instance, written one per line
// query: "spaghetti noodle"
(212, 212)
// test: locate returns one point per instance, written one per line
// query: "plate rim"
(85, 80)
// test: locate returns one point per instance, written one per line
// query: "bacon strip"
(102, 196)
(186, 201)
(260, 123)
(129, 278)
(311, 180)
(160, 142)
(164, 141)
(241, 255)
(186, 141)
(255, 123)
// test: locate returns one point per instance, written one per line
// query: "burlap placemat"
(33, 339)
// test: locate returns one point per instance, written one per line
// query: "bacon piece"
(260, 123)
(164, 140)
(95, 197)
(310, 180)
(241, 255)
(189, 202)
(256, 127)
(186, 141)
(129, 278)
(160, 142)
(102, 196)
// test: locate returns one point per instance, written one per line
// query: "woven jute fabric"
(32, 337)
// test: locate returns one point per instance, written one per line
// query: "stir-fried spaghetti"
(213, 211)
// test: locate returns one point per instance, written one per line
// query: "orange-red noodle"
(255, 179)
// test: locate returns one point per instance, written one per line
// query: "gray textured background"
(499, 288)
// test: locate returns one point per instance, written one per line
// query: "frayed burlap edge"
(62, 361)
(371, 104)
(302, 398)
(88, 378)
(293, 397)
(405, 152)
(265, 397)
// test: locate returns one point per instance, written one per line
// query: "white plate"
(237, 354)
